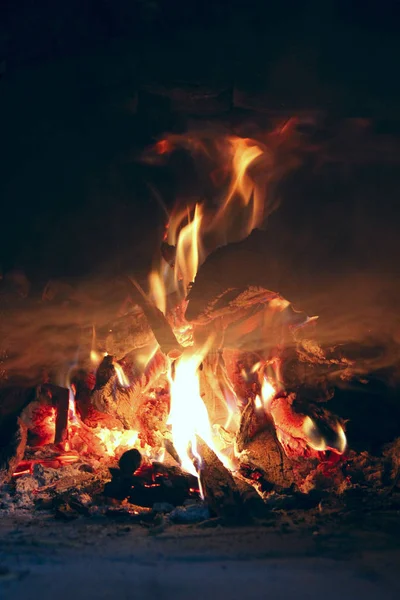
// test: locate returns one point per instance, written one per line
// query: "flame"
(268, 391)
(316, 440)
(245, 152)
(72, 416)
(188, 415)
(258, 402)
(115, 440)
(188, 250)
(122, 378)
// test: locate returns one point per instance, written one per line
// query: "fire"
(188, 227)
(191, 234)
(245, 152)
(268, 391)
(115, 441)
(318, 442)
(188, 415)
(122, 378)
(188, 250)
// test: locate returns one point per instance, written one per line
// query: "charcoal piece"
(265, 454)
(160, 491)
(152, 484)
(117, 401)
(220, 491)
(119, 487)
(13, 437)
(130, 461)
(61, 401)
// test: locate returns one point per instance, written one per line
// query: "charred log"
(151, 484)
(219, 487)
(13, 437)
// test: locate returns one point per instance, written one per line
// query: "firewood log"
(13, 438)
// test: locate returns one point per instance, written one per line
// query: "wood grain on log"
(265, 452)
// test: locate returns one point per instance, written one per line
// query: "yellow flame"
(255, 367)
(342, 438)
(245, 152)
(268, 391)
(317, 442)
(258, 403)
(188, 250)
(122, 378)
(188, 414)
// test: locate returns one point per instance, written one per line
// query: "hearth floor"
(41, 558)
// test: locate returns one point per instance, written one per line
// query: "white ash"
(25, 488)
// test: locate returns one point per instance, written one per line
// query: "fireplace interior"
(199, 350)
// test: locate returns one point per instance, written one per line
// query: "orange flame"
(245, 153)
(188, 250)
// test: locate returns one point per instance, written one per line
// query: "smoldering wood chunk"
(265, 453)
(253, 505)
(105, 372)
(13, 437)
(143, 405)
(125, 334)
(115, 400)
(220, 490)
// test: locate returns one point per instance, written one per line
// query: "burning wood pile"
(208, 396)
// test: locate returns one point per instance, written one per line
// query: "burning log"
(13, 437)
(140, 403)
(264, 453)
(250, 423)
(218, 485)
(150, 484)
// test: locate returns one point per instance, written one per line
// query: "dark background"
(74, 119)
